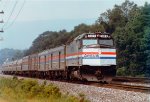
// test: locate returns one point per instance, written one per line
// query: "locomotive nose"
(91, 57)
(108, 57)
(99, 57)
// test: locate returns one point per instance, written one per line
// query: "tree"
(147, 44)
(118, 16)
(129, 25)
(146, 19)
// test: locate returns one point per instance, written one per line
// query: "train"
(88, 57)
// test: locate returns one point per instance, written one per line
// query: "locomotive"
(90, 57)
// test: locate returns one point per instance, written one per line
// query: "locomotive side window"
(45, 62)
(89, 42)
(51, 61)
(39, 62)
(59, 59)
(34, 63)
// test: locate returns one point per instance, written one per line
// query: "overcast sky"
(38, 16)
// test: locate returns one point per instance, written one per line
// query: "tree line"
(7, 55)
(129, 25)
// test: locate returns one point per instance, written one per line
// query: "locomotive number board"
(104, 36)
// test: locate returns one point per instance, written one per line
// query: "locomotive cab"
(98, 50)
(96, 56)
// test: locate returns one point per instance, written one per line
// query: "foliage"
(20, 90)
(129, 25)
(146, 30)
(121, 71)
(48, 40)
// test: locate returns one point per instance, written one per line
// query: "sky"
(38, 16)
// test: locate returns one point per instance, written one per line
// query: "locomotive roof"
(51, 50)
(80, 36)
(19, 61)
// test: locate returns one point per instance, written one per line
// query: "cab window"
(89, 42)
(108, 42)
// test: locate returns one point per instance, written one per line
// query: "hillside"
(10, 54)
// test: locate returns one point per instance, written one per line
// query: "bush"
(121, 71)
(30, 91)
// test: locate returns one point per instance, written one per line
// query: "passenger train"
(90, 57)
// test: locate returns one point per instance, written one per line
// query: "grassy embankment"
(15, 90)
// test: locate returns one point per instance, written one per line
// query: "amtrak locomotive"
(90, 56)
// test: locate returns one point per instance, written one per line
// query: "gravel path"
(100, 94)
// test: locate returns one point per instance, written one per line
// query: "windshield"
(106, 42)
(89, 41)
(96, 42)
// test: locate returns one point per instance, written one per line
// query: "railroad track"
(116, 85)
(131, 79)
(138, 88)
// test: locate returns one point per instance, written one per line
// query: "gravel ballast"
(100, 94)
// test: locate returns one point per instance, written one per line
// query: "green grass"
(15, 90)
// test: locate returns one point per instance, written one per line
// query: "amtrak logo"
(90, 56)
